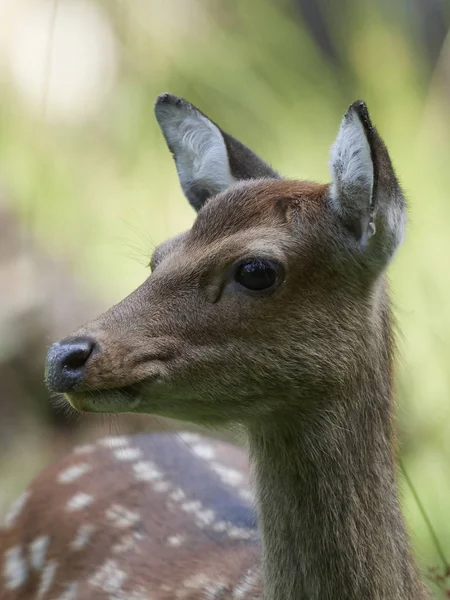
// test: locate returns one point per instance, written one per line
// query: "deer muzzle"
(66, 363)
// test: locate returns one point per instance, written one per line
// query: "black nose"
(66, 361)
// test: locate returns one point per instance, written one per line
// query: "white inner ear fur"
(351, 167)
(199, 149)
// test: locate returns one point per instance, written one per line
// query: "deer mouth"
(120, 399)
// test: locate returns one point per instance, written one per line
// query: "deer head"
(272, 298)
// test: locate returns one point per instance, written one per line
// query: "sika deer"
(271, 312)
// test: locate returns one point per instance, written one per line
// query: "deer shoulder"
(142, 517)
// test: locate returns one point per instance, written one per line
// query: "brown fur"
(156, 567)
(305, 368)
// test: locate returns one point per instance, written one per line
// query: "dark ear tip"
(161, 98)
(358, 104)
(167, 99)
(360, 108)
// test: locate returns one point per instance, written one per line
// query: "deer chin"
(115, 400)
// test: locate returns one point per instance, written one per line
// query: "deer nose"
(66, 362)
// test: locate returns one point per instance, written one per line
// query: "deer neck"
(329, 512)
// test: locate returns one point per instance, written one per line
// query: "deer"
(271, 314)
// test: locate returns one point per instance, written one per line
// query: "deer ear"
(208, 160)
(365, 192)
(352, 170)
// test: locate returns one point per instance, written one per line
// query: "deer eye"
(258, 274)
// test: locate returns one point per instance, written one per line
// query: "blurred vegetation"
(97, 194)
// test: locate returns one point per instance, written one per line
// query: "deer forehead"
(256, 203)
(251, 218)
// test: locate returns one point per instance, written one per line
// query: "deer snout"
(66, 362)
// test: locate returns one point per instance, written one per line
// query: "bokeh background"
(88, 188)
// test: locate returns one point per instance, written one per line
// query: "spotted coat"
(149, 517)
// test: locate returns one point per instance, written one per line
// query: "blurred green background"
(88, 188)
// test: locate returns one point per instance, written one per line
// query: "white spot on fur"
(74, 472)
(47, 578)
(196, 582)
(240, 533)
(83, 536)
(127, 543)
(205, 517)
(245, 586)
(177, 495)
(109, 578)
(128, 454)
(214, 591)
(15, 571)
(220, 526)
(204, 451)
(247, 495)
(38, 551)
(15, 509)
(114, 442)
(162, 486)
(189, 437)
(191, 506)
(228, 475)
(85, 449)
(176, 540)
(79, 501)
(70, 593)
(145, 470)
(122, 517)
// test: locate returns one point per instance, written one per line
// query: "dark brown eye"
(258, 274)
